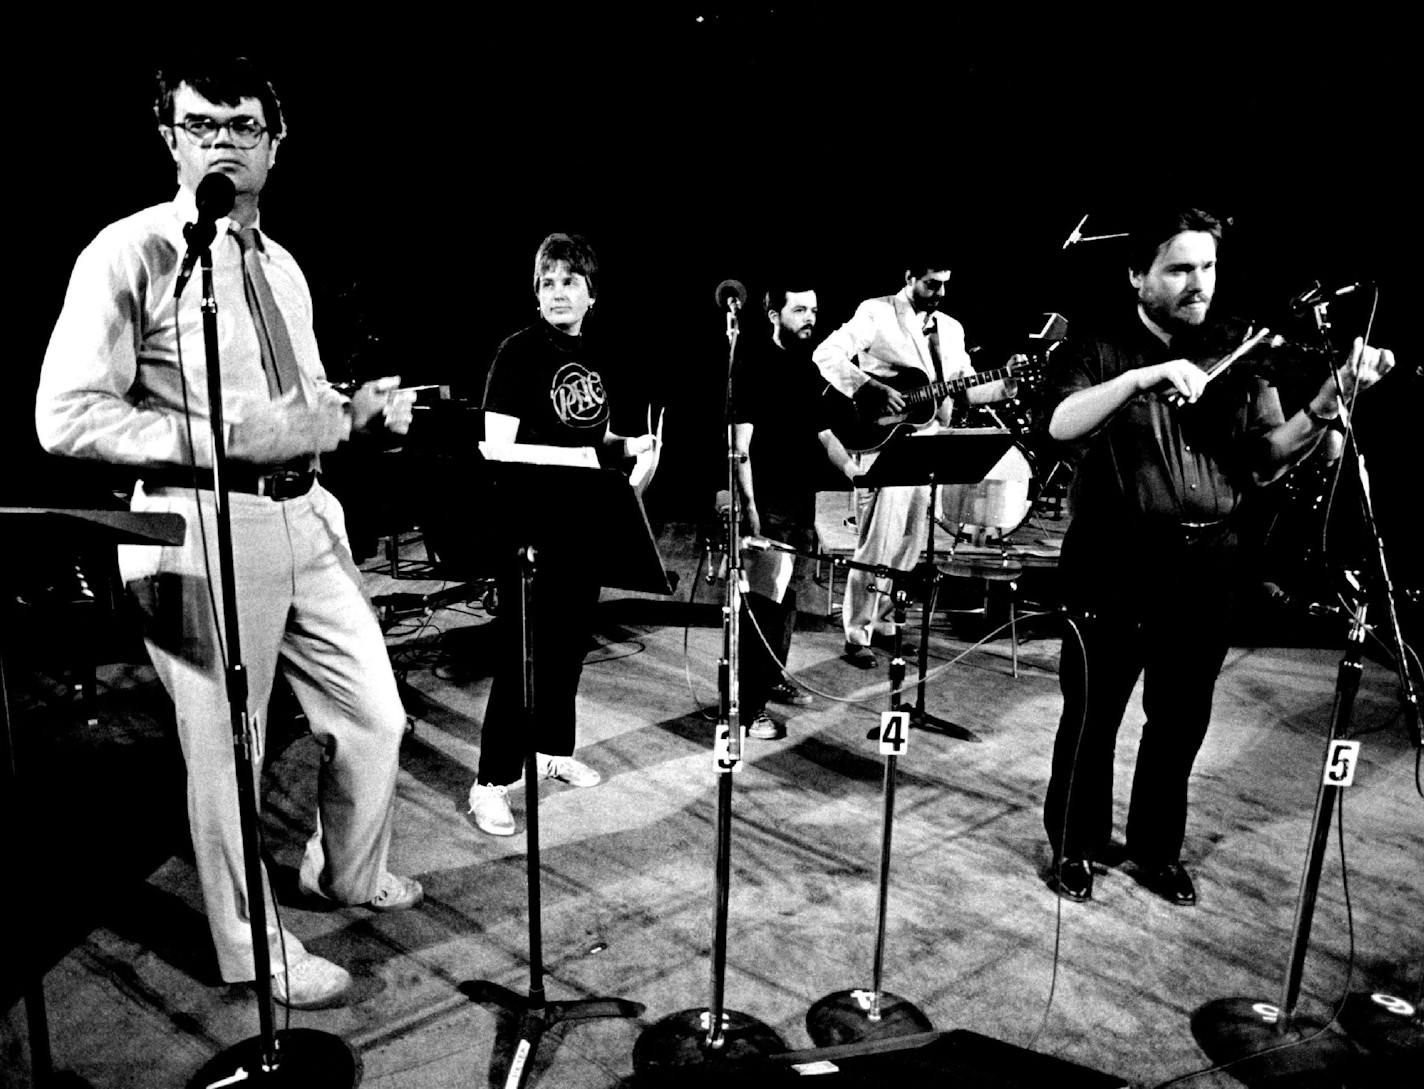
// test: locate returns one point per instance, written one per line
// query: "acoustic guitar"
(863, 425)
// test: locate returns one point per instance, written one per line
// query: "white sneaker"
(310, 982)
(567, 770)
(490, 805)
(396, 893)
(765, 728)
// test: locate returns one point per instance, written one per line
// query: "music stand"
(934, 458)
(626, 556)
(56, 526)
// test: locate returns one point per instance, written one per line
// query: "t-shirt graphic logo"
(578, 396)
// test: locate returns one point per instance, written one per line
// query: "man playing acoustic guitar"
(889, 347)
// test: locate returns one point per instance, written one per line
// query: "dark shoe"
(859, 656)
(1172, 883)
(1074, 880)
(785, 692)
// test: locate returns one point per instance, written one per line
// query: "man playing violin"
(1148, 562)
(869, 358)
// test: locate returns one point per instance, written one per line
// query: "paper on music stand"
(534, 454)
(645, 465)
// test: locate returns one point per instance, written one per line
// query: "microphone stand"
(715, 1033)
(293, 1057)
(1389, 1027)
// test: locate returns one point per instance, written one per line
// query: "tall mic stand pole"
(716, 1033)
(1388, 1026)
(294, 1057)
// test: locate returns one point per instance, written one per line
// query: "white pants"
(893, 527)
(299, 600)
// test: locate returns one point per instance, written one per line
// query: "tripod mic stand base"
(306, 1059)
(923, 720)
(1248, 1034)
(844, 1018)
(680, 1039)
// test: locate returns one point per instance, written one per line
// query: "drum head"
(1000, 502)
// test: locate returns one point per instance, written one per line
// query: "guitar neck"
(937, 391)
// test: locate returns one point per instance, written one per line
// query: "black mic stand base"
(1389, 1030)
(844, 1018)
(306, 1059)
(683, 1039)
(536, 1017)
(1248, 1034)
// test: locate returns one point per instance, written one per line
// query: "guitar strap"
(932, 335)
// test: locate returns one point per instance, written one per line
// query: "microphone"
(215, 197)
(1290, 602)
(1315, 294)
(1076, 234)
(731, 293)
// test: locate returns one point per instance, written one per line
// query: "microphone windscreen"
(215, 196)
(731, 289)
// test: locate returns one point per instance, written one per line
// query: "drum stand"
(848, 1016)
(1268, 1039)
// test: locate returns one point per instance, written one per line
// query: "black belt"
(1195, 531)
(278, 484)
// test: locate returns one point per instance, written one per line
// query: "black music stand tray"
(935, 458)
(625, 554)
(56, 525)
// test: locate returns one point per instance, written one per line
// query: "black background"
(428, 155)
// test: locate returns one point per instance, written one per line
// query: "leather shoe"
(1171, 882)
(1074, 880)
(862, 657)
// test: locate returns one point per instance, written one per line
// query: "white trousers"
(893, 527)
(299, 602)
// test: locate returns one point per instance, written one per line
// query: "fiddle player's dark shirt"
(1152, 465)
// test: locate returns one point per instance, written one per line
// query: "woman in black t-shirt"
(544, 387)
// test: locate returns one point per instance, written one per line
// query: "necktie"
(279, 362)
(932, 335)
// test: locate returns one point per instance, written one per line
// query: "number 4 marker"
(894, 732)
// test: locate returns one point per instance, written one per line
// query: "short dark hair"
(226, 81)
(1152, 228)
(774, 297)
(926, 258)
(569, 249)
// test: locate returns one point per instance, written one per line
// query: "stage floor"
(975, 938)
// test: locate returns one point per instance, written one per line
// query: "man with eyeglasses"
(124, 380)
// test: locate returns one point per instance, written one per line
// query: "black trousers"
(564, 596)
(1167, 622)
(765, 634)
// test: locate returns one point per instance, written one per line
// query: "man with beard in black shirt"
(781, 432)
(1148, 563)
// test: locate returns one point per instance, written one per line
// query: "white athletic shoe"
(490, 805)
(567, 770)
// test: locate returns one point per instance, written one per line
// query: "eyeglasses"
(246, 132)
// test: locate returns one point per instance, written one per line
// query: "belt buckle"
(283, 484)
